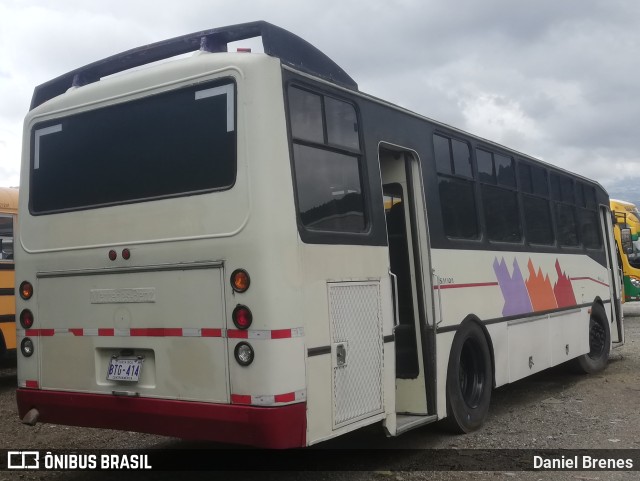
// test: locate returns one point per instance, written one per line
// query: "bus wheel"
(599, 343)
(469, 380)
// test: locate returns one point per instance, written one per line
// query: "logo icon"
(23, 460)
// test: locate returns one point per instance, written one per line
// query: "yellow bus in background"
(626, 233)
(8, 213)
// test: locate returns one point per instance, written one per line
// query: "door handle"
(341, 355)
(394, 292)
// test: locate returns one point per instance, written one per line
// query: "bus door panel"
(617, 327)
(401, 204)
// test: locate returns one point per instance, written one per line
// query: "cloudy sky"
(557, 79)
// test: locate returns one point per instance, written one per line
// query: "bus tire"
(469, 380)
(599, 343)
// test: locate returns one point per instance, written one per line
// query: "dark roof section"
(277, 42)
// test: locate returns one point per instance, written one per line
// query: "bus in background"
(246, 248)
(8, 213)
(626, 232)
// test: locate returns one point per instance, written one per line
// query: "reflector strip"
(168, 332)
(31, 384)
(39, 332)
(212, 333)
(269, 399)
(257, 334)
(157, 332)
(240, 399)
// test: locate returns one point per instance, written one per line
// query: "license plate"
(124, 369)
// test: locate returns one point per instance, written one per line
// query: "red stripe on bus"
(458, 286)
(281, 334)
(77, 332)
(106, 332)
(31, 384)
(237, 334)
(40, 332)
(240, 399)
(285, 398)
(211, 332)
(589, 279)
(156, 332)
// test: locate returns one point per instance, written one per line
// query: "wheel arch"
(598, 300)
(472, 318)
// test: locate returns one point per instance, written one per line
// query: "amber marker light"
(240, 280)
(26, 290)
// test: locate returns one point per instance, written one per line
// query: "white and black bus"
(244, 247)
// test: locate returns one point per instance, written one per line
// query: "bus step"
(407, 422)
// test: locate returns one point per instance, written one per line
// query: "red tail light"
(242, 317)
(26, 319)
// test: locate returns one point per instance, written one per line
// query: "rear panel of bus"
(139, 204)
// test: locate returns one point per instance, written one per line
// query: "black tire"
(599, 344)
(469, 380)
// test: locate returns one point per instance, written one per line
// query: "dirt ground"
(550, 410)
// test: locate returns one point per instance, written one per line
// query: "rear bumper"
(265, 427)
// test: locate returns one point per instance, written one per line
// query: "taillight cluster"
(242, 317)
(26, 319)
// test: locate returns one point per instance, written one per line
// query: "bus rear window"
(170, 144)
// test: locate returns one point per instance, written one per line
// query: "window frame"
(313, 236)
(556, 180)
(587, 196)
(455, 177)
(494, 184)
(533, 194)
(200, 86)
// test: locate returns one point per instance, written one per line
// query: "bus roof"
(623, 202)
(277, 42)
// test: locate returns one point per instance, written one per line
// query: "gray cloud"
(557, 80)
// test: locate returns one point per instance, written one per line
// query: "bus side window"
(456, 188)
(328, 177)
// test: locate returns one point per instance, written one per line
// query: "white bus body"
(143, 281)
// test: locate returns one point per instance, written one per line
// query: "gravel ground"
(550, 410)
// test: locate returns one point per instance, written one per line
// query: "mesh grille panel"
(356, 320)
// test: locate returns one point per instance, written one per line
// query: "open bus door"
(617, 327)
